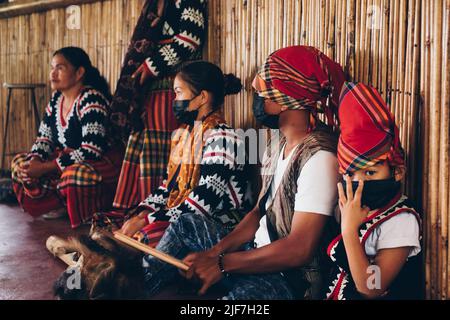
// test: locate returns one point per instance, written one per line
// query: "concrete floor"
(28, 270)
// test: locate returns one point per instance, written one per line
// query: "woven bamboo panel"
(401, 47)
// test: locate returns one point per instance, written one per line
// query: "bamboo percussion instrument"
(151, 251)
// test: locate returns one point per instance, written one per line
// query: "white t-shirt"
(399, 231)
(316, 185)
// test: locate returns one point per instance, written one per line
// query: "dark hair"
(79, 58)
(203, 75)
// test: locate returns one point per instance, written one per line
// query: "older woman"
(72, 167)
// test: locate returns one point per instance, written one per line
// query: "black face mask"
(261, 116)
(180, 109)
(376, 193)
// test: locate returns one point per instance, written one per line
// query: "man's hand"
(203, 266)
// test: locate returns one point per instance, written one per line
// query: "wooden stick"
(151, 251)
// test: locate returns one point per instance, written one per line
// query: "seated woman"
(203, 174)
(72, 167)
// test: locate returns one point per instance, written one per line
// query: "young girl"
(376, 254)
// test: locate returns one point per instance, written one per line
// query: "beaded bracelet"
(220, 264)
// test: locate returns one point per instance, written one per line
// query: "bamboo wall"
(28, 41)
(399, 46)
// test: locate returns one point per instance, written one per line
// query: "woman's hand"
(159, 13)
(34, 169)
(203, 266)
(142, 73)
(21, 174)
(133, 225)
(352, 214)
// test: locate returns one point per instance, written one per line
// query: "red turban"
(300, 76)
(368, 130)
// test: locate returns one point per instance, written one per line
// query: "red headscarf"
(300, 76)
(368, 130)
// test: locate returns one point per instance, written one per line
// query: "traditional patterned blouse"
(407, 282)
(183, 33)
(84, 132)
(222, 192)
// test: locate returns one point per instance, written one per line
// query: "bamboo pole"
(375, 34)
(395, 53)
(358, 19)
(384, 50)
(322, 26)
(434, 143)
(446, 105)
(344, 40)
(20, 9)
(350, 60)
(401, 68)
(414, 105)
(331, 45)
(443, 111)
(424, 92)
(407, 80)
(366, 51)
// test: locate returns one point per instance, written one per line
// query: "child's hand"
(352, 214)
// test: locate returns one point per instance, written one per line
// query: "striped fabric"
(299, 77)
(368, 130)
(177, 38)
(147, 151)
(143, 168)
(83, 188)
